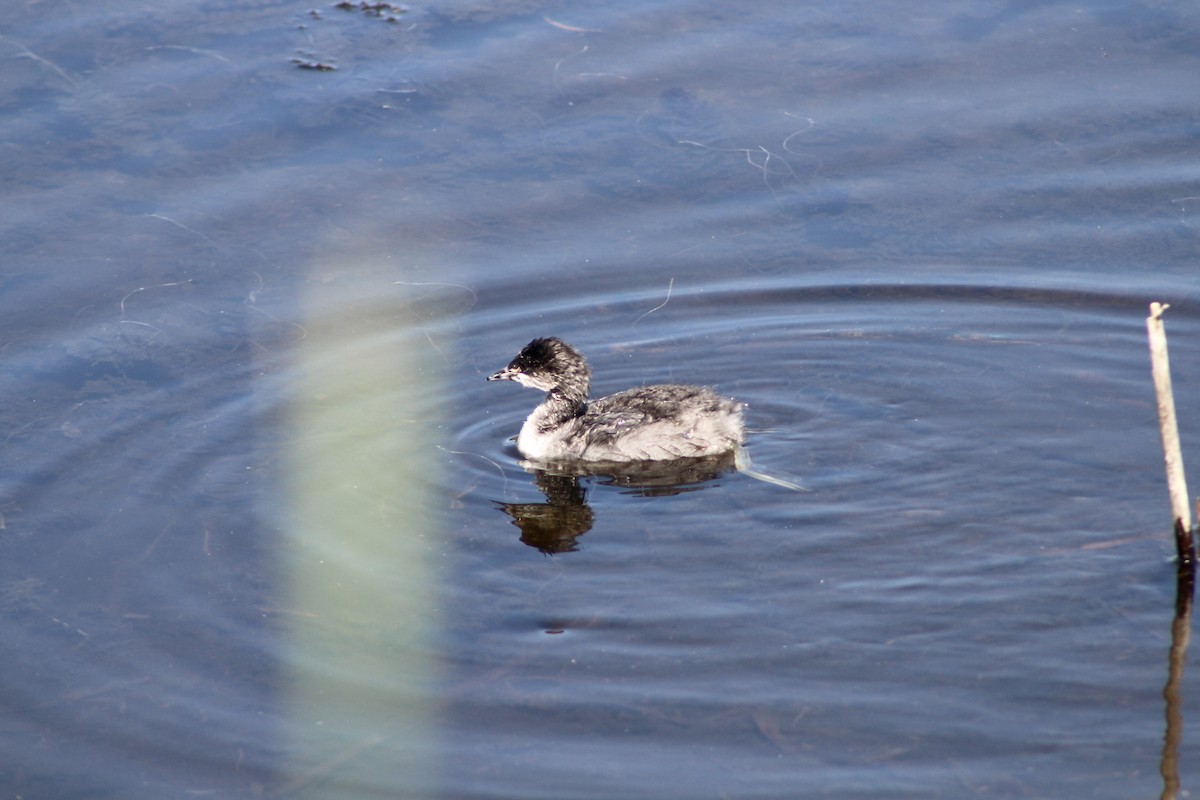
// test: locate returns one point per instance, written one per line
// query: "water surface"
(258, 502)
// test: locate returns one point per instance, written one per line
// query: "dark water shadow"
(1181, 634)
(554, 526)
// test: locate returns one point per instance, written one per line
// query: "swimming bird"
(650, 423)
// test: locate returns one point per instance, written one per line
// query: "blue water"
(260, 514)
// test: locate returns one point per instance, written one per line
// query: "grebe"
(651, 423)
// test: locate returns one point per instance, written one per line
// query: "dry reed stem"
(1168, 427)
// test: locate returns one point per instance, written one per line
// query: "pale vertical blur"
(361, 709)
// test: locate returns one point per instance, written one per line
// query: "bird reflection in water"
(555, 525)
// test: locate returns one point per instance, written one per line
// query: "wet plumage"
(650, 423)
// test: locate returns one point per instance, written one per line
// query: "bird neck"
(558, 408)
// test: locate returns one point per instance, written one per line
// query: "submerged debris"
(319, 66)
(385, 11)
